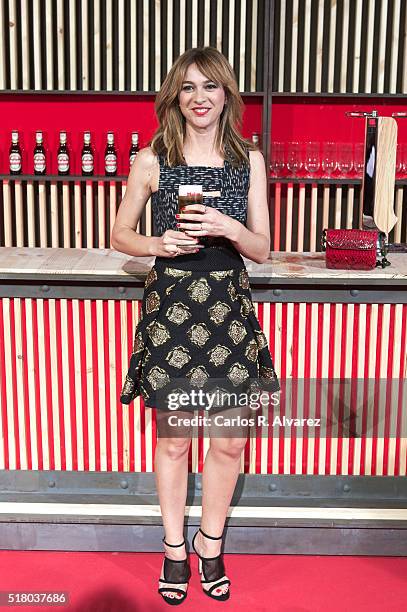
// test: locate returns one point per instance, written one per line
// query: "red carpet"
(127, 582)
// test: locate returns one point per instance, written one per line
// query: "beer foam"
(185, 190)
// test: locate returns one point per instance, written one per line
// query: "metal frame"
(273, 290)
(257, 540)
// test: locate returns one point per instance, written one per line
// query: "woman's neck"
(201, 144)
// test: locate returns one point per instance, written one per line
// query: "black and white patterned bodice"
(231, 182)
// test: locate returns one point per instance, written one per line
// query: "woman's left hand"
(211, 222)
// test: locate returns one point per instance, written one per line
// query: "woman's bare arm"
(253, 241)
(124, 237)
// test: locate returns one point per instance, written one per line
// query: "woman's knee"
(174, 447)
(232, 447)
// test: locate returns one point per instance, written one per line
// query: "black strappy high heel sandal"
(176, 571)
(212, 569)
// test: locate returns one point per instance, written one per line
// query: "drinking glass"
(294, 157)
(345, 158)
(359, 158)
(312, 157)
(401, 160)
(277, 158)
(188, 194)
(329, 158)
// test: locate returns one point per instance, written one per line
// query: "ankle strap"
(210, 537)
(173, 545)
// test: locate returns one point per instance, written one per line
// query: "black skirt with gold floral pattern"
(197, 324)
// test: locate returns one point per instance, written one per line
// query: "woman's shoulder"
(147, 157)
(256, 158)
(149, 167)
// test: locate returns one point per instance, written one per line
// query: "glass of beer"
(189, 194)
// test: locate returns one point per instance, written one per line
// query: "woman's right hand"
(168, 245)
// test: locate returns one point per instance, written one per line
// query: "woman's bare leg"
(219, 477)
(171, 476)
(220, 473)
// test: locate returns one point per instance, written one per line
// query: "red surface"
(323, 119)
(127, 582)
(99, 114)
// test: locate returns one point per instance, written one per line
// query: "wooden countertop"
(107, 264)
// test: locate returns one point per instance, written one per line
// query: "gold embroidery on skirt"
(221, 274)
(146, 356)
(198, 375)
(232, 292)
(261, 339)
(138, 344)
(152, 302)
(158, 333)
(199, 290)
(252, 350)
(237, 373)
(219, 354)
(128, 386)
(268, 373)
(177, 273)
(244, 279)
(178, 313)
(157, 377)
(143, 392)
(247, 307)
(199, 334)
(150, 278)
(218, 312)
(169, 289)
(237, 331)
(178, 357)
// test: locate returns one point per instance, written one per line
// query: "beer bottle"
(63, 155)
(134, 149)
(15, 154)
(87, 156)
(110, 156)
(39, 154)
(256, 139)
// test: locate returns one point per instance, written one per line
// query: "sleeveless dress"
(198, 328)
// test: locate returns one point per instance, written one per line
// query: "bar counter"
(286, 277)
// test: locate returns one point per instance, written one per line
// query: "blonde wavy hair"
(169, 136)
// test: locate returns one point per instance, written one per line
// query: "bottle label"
(87, 162)
(63, 162)
(110, 163)
(39, 162)
(15, 162)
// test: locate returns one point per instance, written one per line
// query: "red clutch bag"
(354, 249)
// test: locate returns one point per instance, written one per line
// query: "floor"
(127, 582)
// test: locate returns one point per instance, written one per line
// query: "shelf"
(318, 181)
(325, 181)
(288, 94)
(121, 178)
(65, 92)
(62, 179)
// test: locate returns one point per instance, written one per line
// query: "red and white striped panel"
(64, 361)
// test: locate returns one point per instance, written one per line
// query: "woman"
(198, 321)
